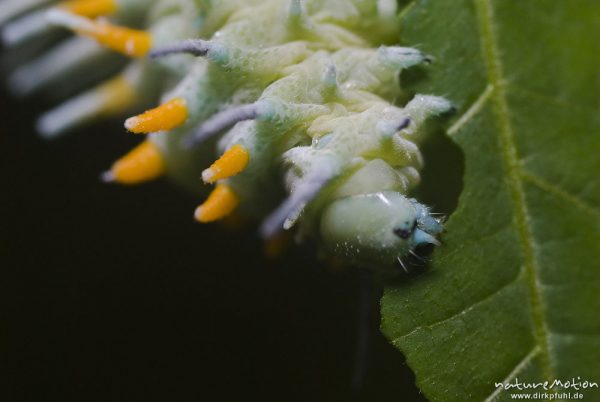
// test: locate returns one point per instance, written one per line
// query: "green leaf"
(514, 291)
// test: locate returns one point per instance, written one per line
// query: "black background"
(115, 294)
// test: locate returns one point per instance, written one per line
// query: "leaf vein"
(515, 371)
(559, 192)
(463, 311)
(475, 108)
(491, 53)
(406, 9)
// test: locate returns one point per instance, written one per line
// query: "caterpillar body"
(299, 98)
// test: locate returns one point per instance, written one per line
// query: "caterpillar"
(299, 97)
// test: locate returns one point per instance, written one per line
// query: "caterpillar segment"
(299, 97)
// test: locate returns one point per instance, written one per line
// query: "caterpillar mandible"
(299, 97)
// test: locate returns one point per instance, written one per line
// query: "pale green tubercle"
(314, 84)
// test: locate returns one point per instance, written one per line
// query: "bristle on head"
(142, 164)
(221, 202)
(90, 8)
(130, 42)
(231, 163)
(167, 116)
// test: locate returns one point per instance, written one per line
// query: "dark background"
(115, 294)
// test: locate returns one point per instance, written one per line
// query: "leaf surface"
(514, 292)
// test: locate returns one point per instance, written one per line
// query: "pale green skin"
(362, 227)
(326, 91)
(376, 230)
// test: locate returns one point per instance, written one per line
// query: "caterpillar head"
(378, 229)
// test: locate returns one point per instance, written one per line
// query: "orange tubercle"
(118, 93)
(90, 8)
(130, 42)
(142, 164)
(231, 163)
(220, 203)
(167, 116)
